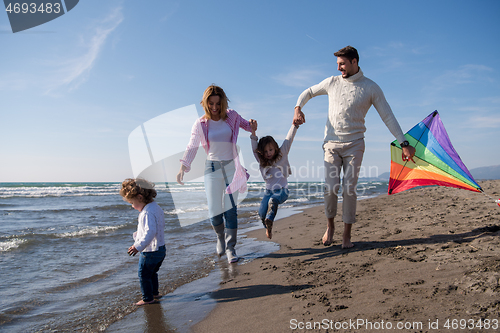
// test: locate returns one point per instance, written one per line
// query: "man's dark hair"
(348, 52)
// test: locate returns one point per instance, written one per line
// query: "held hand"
(408, 153)
(298, 117)
(253, 125)
(132, 251)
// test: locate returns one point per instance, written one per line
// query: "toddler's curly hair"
(131, 188)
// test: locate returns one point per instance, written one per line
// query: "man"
(350, 95)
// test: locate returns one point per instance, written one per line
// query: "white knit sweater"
(349, 100)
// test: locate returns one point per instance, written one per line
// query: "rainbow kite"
(435, 162)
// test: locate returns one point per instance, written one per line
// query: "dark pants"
(149, 264)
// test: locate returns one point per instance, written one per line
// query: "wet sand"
(423, 259)
(191, 301)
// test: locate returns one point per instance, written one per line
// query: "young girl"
(275, 169)
(149, 239)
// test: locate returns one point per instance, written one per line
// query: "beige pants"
(345, 156)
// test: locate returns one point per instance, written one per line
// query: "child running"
(149, 239)
(275, 169)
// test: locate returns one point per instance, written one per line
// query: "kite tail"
(497, 201)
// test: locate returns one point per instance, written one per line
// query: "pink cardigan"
(199, 134)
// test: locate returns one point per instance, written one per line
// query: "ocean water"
(63, 248)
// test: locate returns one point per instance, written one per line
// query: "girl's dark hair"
(263, 142)
(131, 188)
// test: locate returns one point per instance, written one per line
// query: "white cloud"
(395, 50)
(12, 82)
(170, 12)
(314, 39)
(318, 138)
(73, 71)
(69, 69)
(465, 74)
(485, 122)
(301, 78)
(447, 86)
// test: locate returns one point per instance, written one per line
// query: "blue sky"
(72, 90)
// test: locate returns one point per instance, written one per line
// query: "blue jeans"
(218, 175)
(149, 264)
(273, 198)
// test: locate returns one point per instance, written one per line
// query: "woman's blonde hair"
(214, 90)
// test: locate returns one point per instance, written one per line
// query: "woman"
(217, 131)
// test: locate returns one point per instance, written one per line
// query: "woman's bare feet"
(269, 228)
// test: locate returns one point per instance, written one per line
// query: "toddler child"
(275, 169)
(149, 239)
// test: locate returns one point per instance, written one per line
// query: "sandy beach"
(425, 260)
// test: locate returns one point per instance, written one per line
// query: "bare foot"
(346, 243)
(327, 237)
(330, 230)
(269, 233)
(269, 228)
(141, 302)
(346, 237)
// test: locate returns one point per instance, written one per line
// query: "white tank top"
(219, 137)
